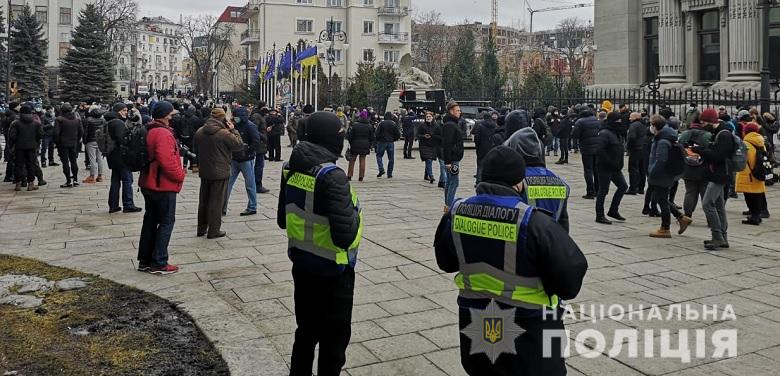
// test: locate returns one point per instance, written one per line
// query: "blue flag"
(257, 70)
(285, 64)
(269, 74)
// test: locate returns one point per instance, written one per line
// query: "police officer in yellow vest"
(324, 225)
(543, 188)
(515, 265)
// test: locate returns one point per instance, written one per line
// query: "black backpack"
(762, 170)
(676, 160)
(133, 149)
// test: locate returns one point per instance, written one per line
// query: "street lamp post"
(765, 55)
(331, 35)
(8, 54)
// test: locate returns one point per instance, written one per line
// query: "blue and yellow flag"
(306, 58)
(257, 70)
(269, 68)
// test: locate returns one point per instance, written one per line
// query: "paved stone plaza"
(239, 289)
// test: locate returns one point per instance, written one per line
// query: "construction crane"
(550, 9)
(493, 21)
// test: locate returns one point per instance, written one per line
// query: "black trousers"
(210, 203)
(70, 167)
(564, 149)
(275, 147)
(323, 312)
(591, 174)
(408, 144)
(661, 199)
(26, 163)
(756, 203)
(637, 170)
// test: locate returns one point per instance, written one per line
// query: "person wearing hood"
(429, 143)
(635, 144)
(753, 189)
(185, 129)
(659, 179)
(554, 123)
(215, 141)
(116, 127)
(93, 123)
(693, 177)
(407, 122)
(525, 270)
(514, 121)
(315, 193)
(301, 126)
(564, 135)
(387, 134)
(47, 144)
(360, 137)
(586, 131)
(610, 153)
(25, 134)
(483, 138)
(274, 126)
(541, 128)
(68, 133)
(544, 189)
(691, 114)
(244, 161)
(451, 151)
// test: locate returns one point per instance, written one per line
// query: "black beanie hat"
(119, 106)
(308, 109)
(25, 110)
(503, 165)
(324, 128)
(161, 109)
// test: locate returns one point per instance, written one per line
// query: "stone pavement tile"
(446, 299)
(753, 333)
(263, 292)
(241, 281)
(426, 285)
(263, 309)
(283, 344)
(448, 361)
(227, 328)
(772, 315)
(413, 271)
(224, 254)
(445, 337)
(772, 288)
(253, 356)
(771, 353)
(616, 287)
(386, 261)
(367, 330)
(418, 255)
(414, 366)
(742, 280)
(358, 356)
(232, 272)
(413, 322)
(383, 275)
(606, 274)
(718, 270)
(281, 266)
(644, 268)
(277, 277)
(600, 366)
(198, 304)
(369, 311)
(269, 258)
(741, 306)
(408, 305)
(218, 265)
(378, 293)
(606, 327)
(400, 346)
(694, 290)
(277, 325)
(760, 296)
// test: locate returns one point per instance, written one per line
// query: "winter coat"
(68, 131)
(451, 140)
(25, 133)
(360, 137)
(332, 200)
(586, 129)
(483, 136)
(165, 172)
(48, 125)
(276, 123)
(659, 158)
(565, 128)
(90, 129)
(514, 121)
(637, 136)
(116, 128)
(249, 135)
(716, 154)
(387, 130)
(695, 135)
(428, 146)
(746, 182)
(609, 149)
(215, 145)
(554, 122)
(408, 126)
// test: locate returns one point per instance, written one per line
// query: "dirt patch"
(104, 328)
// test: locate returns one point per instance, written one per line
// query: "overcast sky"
(510, 12)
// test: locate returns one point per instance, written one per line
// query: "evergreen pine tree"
(87, 69)
(3, 55)
(461, 75)
(492, 79)
(28, 59)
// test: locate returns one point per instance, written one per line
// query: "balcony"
(394, 11)
(394, 38)
(250, 9)
(249, 37)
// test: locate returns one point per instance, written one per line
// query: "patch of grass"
(127, 331)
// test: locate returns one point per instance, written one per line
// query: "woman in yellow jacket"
(754, 189)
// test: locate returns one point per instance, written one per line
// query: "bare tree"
(206, 43)
(573, 37)
(119, 23)
(231, 72)
(430, 43)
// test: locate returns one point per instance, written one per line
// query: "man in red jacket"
(160, 183)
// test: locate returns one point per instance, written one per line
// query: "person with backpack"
(666, 161)
(483, 139)
(751, 180)
(695, 185)
(716, 157)
(244, 161)
(161, 180)
(94, 125)
(115, 129)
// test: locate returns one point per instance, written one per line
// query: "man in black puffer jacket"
(274, 128)
(610, 165)
(121, 176)
(324, 278)
(483, 138)
(68, 133)
(635, 144)
(586, 131)
(451, 151)
(25, 134)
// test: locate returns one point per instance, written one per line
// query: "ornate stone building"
(682, 42)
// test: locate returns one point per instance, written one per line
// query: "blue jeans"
(442, 172)
(381, 147)
(247, 169)
(555, 145)
(259, 166)
(121, 176)
(429, 168)
(451, 186)
(157, 227)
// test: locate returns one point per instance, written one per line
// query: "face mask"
(653, 130)
(237, 120)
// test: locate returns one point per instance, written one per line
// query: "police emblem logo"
(492, 331)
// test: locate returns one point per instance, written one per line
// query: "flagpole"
(314, 89)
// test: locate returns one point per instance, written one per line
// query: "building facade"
(233, 71)
(683, 43)
(152, 59)
(374, 29)
(59, 18)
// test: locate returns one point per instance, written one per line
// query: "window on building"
(368, 2)
(368, 27)
(42, 14)
(651, 49)
(304, 26)
(709, 46)
(392, 56)
(391, 28)
(234, 14)
(337, 55)
(65, 16)
(335, 3)
(64, 47)
(393, 3)
(334, 26)
(16, 10)
(368, 54)
(774, 42)
(304, 1)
